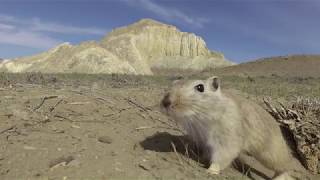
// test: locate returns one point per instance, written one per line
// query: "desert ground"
(109, 126)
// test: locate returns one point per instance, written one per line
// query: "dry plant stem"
(137, 105)
(79, 103)
(43, 100)
(176, 153)
(7, 129)
(147, 109)
(56, 105)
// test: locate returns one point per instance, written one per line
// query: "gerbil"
(226, 125)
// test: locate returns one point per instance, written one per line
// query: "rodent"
(226, 125)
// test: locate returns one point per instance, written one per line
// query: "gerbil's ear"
(214, 83)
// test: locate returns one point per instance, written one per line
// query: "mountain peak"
(139, 26)
(62, 45)
(149, 21)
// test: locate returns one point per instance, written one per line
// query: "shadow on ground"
(166, 142)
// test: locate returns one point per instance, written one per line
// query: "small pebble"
(61, 160)
(105, 139)
(75, 163)
(75, 126)
(29, 148)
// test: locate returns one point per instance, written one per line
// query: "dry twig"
(43, 100)
(79, 103)
(137, 105)
(55, 106)
(7, 129)
(176, 153)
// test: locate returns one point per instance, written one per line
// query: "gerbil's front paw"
(214, 169)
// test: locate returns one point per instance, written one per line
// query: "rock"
(105, 139)
(61, 161)
(136, 49)
(74, 163)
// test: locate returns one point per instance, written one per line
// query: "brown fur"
(227, 125)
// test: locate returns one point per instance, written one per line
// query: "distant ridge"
(134, 49)
(289, 66)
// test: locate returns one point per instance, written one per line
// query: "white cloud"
(28, 39)
(35, 24)
(6, 27)
(169, 13)
(60, 28)
(34, 32)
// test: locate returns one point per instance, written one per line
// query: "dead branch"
(43, 100)
(55, 106)
(137, 105)
(7, 129)
(79, 103)
(273, 111)
(62, 117)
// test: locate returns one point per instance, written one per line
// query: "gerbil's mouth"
(165, 110)
(170, 111)
(171, 106)
(166, 104)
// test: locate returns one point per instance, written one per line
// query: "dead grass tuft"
(302, 118)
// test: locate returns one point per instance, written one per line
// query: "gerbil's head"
(189, 98)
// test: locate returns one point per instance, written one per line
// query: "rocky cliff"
(135, 49)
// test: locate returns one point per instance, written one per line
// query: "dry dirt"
(82, 132)
(74, 131)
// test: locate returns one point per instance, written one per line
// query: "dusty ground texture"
(90, 133)
(98, 128)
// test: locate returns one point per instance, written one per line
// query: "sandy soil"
(93, 132)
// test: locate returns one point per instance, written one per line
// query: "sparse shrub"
(4, 79)
(35, 78)
(250, 79)
(302, 118)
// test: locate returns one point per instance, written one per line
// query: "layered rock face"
(88, 57)
(135, 49)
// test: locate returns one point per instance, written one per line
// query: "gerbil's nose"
(166, 101)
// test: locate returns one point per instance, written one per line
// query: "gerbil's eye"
(199, 87)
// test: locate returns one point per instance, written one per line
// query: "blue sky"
(242, 29)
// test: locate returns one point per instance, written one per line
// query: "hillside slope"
(291, 66)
